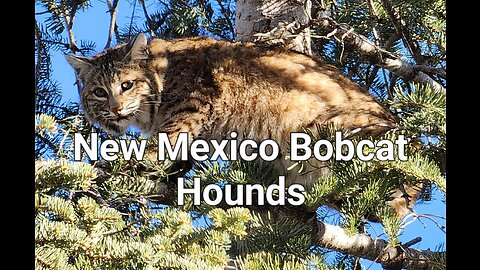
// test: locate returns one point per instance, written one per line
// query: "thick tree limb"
(378, 250)
(378, 56)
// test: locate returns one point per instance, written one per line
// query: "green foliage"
(423, 110)
(419, 168)
(361, 189)
(268, 261)
(391, 224)
(115, 215)
(425, 24)
(81, 232)
(175, 19)
(48, 102)
(423, 118)
(54, 174)
(122, 179)
(57, 9)
(233, 220)
(45, 124)
(277, 235)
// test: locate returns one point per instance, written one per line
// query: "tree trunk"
(274, 21)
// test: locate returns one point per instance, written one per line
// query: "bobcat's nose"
(119, 111)
(123, 109)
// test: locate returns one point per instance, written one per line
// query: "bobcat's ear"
(137, 48)
(79, 63)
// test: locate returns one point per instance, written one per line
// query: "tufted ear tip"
(138, 47)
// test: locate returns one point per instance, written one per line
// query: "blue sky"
(92, 25)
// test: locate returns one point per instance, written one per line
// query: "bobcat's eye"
(127, 85)
(100, 92)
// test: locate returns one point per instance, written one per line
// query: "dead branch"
(112, 8)
(377, 55)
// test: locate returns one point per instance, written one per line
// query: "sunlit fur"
(209, 88)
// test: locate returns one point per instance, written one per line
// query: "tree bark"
(378, 250)
(274, 21)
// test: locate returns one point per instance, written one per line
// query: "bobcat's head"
(115, 91)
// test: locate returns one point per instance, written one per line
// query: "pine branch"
(151, 25)
(225, 11)
(420, 168)
(61, 12)
(62, 208)
(402, 30)
(40, 48)
(374, 249)
(378, 56)
(271, 261)
(54, 174)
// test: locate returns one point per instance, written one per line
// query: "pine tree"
(124, 214)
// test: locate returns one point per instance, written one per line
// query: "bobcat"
(208, 88)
